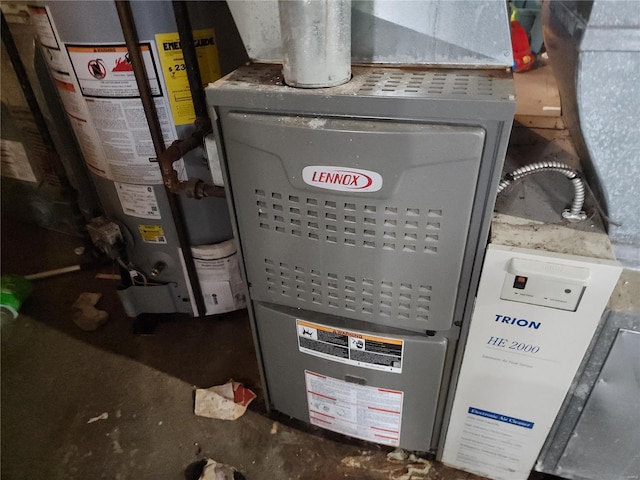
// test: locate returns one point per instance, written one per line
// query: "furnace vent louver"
(259, 75)
(393, 83)
(365, 297)
(354, 223)
(426, 84)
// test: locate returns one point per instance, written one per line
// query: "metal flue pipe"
(316, 42)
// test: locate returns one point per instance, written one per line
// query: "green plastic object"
(14, 290)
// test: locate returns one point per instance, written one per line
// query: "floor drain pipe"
(316, 42)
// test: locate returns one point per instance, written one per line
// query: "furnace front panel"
(391, 256)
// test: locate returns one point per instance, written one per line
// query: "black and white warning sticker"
(352, 348)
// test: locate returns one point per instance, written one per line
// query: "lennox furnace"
(362, 212)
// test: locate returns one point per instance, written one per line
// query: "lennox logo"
(343, 179)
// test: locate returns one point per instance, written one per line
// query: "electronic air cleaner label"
(352, 348)
(369, 413)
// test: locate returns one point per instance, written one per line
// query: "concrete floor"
(56, 378)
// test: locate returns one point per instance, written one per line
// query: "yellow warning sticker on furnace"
(152, 234)
(175, 70)
(350, 347)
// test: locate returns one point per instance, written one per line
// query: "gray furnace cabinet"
(362, 213)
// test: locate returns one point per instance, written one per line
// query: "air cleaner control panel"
(544, 283)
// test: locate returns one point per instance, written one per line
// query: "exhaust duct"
(316, 42)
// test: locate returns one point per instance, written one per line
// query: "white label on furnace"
(343, 179)
(352, 348)
(138, 200)
(368, 413)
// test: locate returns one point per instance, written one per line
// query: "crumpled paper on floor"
(224, 402)
(85, 314)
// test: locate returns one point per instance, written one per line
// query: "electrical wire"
(134, 273)
(599, 208)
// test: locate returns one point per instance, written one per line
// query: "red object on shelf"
(523, 59)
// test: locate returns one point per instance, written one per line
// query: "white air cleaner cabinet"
(534, 317)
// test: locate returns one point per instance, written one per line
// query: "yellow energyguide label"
(175, 71)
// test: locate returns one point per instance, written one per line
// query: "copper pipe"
(193, 187)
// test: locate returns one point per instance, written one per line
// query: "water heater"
(90, 66)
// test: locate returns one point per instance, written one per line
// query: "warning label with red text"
(352, 348)
(368, 413)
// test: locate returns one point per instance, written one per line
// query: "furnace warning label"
(368, 413)
(352, 348)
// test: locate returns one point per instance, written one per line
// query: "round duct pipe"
(316, 42)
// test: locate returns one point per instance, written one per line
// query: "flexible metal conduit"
(575, 213)
(131, 38)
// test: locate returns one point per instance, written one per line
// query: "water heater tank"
(90, 65)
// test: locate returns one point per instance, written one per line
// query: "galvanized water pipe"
(181, 14)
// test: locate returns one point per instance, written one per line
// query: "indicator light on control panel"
(520, 282)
